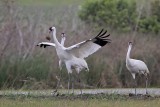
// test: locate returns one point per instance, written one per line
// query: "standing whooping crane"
(136, 66)
(46, 44)
(73, 56)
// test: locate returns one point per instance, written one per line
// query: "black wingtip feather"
(101, 39)
(103, 34)
(41, 45)
(100, 32)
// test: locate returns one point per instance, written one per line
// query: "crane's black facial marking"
(101, 38)
(50, 29)
(130, 43)
(63, 34)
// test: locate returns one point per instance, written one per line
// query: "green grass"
(78, 103)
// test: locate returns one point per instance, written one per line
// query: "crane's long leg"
(135, 86)
(80, 83)
(59, 81)
(55, 91)
(135, 83)
(69, 79)
(146, 84)
(73, 83)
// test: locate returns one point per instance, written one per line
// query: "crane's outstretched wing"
(45, 44)
(88, 47)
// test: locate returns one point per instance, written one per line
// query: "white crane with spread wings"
(73, 56)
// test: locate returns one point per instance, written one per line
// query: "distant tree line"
(123, 15)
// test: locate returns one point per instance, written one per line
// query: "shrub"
(155, 9)
(120, 15)
(150, 24)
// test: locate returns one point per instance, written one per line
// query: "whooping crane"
(136, 66)
(73, 56)
(45, 44)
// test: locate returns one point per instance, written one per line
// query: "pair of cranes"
(73, 56)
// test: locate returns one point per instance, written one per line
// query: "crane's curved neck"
(128, 52)
(55, 39)
(63, 40)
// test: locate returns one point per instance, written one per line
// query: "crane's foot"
(147, 94)
(132, 94)
(55, 93)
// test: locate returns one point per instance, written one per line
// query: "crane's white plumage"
(83, 49)
(136, 66)
(88, 47)
(73, 56)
